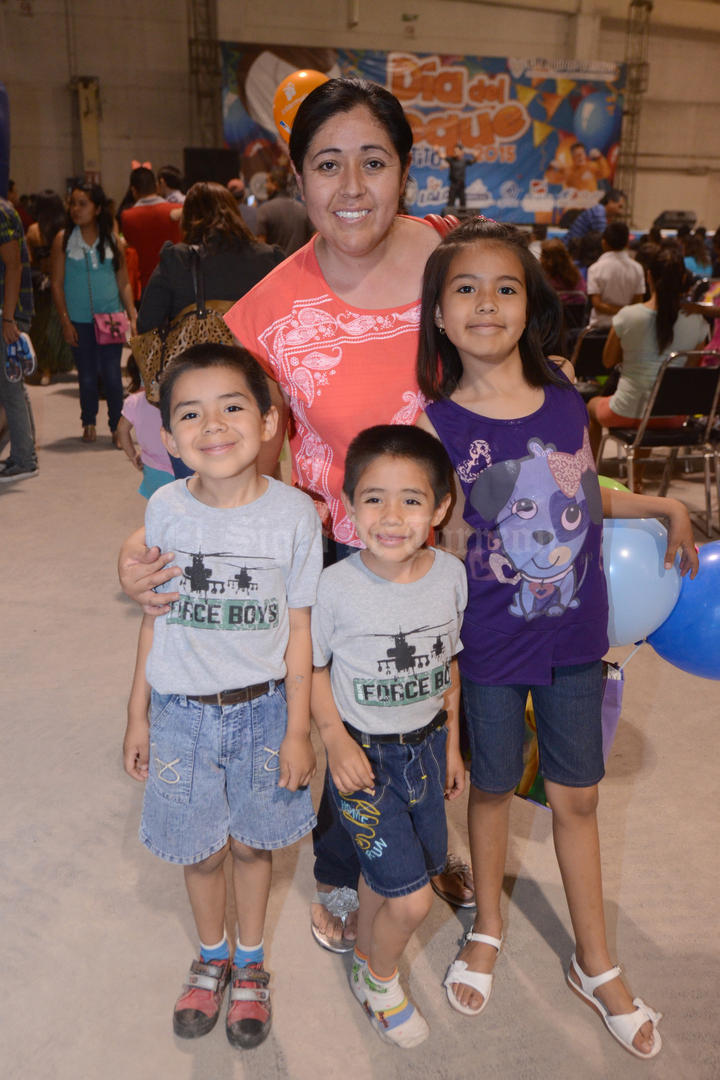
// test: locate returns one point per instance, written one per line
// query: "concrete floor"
(97, 933)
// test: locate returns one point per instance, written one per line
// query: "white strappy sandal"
(625, 1026)
(481, 981)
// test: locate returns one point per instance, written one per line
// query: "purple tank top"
(537, 597)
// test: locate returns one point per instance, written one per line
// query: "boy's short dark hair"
(209, 355)
(616, 235)
(398, 440)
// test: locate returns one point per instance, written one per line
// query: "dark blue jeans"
(93, 360)
(336, 861)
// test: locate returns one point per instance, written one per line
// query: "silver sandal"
(338, 902)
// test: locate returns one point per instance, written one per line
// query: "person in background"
(282, 220)
(457, 163)
(16, 297)
(170, 184)
(149, 456)
(246, 203)
(610, 208)
(149, 222)
(88, 277)
(616, 279)
(16, 201)
(697, 258)
(538, 233)
(52, 351)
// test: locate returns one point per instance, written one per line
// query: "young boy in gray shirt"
(226, 769)
(388, 620)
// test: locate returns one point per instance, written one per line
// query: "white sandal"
(624, 1026)
(481, 981)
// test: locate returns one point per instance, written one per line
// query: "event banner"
(538, 137)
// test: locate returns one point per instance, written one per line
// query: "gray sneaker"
(10, 472)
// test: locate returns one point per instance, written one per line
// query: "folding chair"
(688, 391)
(587, 361)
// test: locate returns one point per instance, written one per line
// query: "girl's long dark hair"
(670, 280)
(98, 198)
(439, 366)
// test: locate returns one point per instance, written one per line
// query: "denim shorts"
(569, 729)
(213, 773)
(400, 832)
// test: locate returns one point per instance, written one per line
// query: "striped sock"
(253, 955)
(393, 1016)
(357, 972)
(221, 951)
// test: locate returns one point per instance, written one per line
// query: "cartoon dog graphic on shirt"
(541, 506)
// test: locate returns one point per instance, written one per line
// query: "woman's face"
(351, 181)
(83, 210)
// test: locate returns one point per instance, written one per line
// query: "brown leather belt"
(232, 697)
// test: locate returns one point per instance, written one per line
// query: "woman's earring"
(442, 330)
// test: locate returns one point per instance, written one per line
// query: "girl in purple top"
(528, 519)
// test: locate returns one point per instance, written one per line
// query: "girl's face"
(483, 303)
(351, 182)
(83, 210)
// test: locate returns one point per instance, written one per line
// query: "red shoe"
(249, 1012)
(198, 1007)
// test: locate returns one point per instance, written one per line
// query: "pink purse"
(111, 328)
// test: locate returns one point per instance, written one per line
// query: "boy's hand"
(297, 762)
(349, 765)
(680, 538)
(140, 570)
(454, 773)
(136, 749)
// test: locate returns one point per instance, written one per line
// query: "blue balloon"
(641, 592)
(690, 636)
(596, 121)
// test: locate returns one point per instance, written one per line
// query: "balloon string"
(630, 655)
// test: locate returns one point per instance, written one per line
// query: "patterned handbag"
(199, 322)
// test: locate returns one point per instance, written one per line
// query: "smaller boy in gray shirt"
(385, 698)
(225, 676)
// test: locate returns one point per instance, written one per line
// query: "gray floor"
(98, 935)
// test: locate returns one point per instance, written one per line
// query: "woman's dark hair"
(670, 280)
(210, 216)
(558, 265)
(133, 371)
(98, 198)
(50, 215)
(439, 364)
(401, 441)
(341, 96)
(209, 355)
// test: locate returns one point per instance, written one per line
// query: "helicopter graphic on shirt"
(403, 655)
(200, 579)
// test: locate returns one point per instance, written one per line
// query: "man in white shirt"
(615, 280)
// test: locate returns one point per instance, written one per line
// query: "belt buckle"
(219, 697)
(401, 739)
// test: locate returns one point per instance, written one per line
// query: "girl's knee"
(412, 909)
(575, 802)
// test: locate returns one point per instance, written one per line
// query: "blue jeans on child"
(400, 832)
(93, 360)
(569, 729)
(213, 773)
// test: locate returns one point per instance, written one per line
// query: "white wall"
(140, 56)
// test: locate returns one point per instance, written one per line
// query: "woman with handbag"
(198, 280)
(90, 289)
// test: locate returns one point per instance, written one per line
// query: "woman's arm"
(612, 353)
(125, 289)
(626, 504)
(156, 306)
(141, 569)
(57, 287)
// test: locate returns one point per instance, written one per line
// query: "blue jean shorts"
(213, 774)
(400, 832)
(569, 729)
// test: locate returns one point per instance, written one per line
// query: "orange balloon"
(290, 95)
